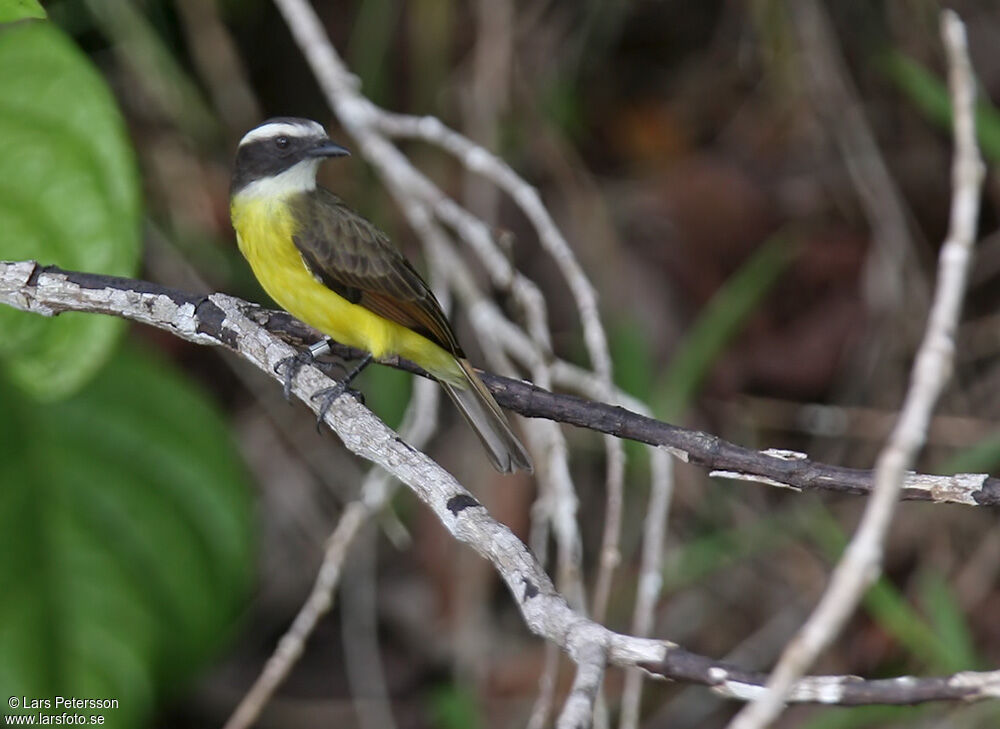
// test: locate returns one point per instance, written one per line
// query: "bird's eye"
(281, 142)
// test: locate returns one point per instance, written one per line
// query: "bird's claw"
(291, 366)
(329, 395)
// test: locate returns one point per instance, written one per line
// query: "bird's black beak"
(326, 148)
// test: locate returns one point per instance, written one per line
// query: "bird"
(328, 266)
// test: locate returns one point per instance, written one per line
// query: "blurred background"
(757, 190)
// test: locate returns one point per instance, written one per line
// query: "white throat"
(300, 177)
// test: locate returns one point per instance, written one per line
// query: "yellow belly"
(264, 230)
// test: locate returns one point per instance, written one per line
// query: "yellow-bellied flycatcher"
(337, 272)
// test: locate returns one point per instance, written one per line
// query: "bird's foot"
(328, 395)
(289, 367)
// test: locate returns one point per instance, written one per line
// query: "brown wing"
(357, 260)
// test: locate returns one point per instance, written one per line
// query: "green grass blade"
(930, 95)
(892, 612)
(718, 324)
(948, 621)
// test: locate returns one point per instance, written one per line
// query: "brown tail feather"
(476, 403)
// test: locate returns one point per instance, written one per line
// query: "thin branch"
(731, 682)
(360, 638)
(650, 582)
(221, 320)
(476, 159)
(826, 78)
(862, 561)
(545, 700)
(49, 290)
(610, 554)
(578, 711)
(319, 602)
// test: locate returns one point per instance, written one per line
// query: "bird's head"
(280, 157)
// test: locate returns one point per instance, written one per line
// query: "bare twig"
(292, 643)
(359, 631)
(478, 160)
(861, 563)
(834, 96)
(218, 63)
(650, 581)
(545, 700)
(578, 710)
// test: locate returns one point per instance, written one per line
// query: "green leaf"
(69, 195)
(11, 10)
(125, 538)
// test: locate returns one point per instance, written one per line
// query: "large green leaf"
(11, 10)
(68, 195)
(125, 538)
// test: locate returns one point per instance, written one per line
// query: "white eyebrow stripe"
(268, 131)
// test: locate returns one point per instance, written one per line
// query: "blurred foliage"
(721, 320)
(167, 84)
(387, 392)
(930, 95)
(701, 557)
(453, 706)
(940, 642)
(948, 622)
(125, 533)
(859, 717)
(370, 46)
(125, 517)
(633, 360)
(634, 368)
(981, 457)
(11, 10)
(69, 195)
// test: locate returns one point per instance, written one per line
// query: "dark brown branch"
(703, 449)
(682, 665)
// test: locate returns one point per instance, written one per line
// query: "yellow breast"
(264, 230)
